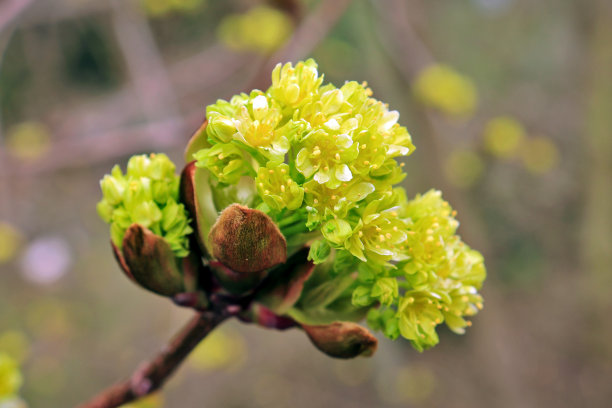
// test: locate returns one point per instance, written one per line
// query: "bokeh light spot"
(222, 349)
(46, 260)
(261, 29)
(28, 140)
(463, 168)
(443, 88)
(503, 136)
(540, 155)
(10, 242)
(16, 344)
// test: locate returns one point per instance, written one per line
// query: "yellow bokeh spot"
(503, 136)
(443, 88)
(464, 168)
(16, 344)
(10, 376)
(261, 29)
(49, 317)
(539, 155)
(222, 349)
(10, 242)
(152, 401)
(158, 8)
(28, 140)
(415, 384)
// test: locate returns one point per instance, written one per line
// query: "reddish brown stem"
(151, 375)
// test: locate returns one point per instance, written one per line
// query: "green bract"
(147, 195)
(321, 161)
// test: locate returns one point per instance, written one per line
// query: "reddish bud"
(342, 339)
(264, 317)
(247, 240)
(151, 262)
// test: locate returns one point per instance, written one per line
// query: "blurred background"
(509, 103)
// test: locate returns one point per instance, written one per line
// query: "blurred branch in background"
(597, 228)
(411, 56)
(596, 233)
(10, 10)
(96, 139)
(313, 29)
(146, 67)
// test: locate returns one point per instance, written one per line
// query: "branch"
(151, 375)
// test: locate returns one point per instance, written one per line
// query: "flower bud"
(151, 262)
(221, 128)
(146, 195)
(224, 161)
(342, 339)
(112, 189)
(247, 240)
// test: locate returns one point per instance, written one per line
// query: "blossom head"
(294, 200)
(147, 195)
(323, 164)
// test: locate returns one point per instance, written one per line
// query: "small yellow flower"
(291, 86)
(278, 189)
(378, 234)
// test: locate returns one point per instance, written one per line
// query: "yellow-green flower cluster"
(322, 163)
(338, 145)
(148, 195)
(10, 377)
(439, 279)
